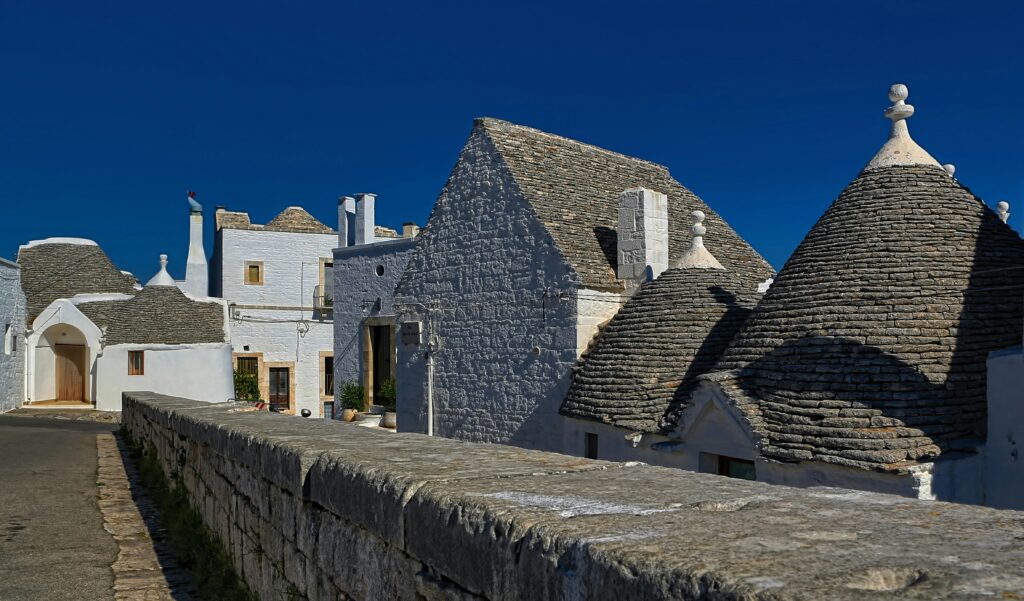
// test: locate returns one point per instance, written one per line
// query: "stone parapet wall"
(325, 510)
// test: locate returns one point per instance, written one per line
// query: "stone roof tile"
(158, 315)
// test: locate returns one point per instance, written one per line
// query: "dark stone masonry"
(324, 510)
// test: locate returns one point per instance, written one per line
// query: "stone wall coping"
(506, 523)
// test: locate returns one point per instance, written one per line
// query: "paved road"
(52, 542)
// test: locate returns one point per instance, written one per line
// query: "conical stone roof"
(869, 349)
(645, 363)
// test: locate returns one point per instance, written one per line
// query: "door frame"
(366, 368)
(290, 365)
(83, 363)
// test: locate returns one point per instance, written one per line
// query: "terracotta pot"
(390, 420)
(349, 415)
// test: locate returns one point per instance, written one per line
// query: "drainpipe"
(430, 391)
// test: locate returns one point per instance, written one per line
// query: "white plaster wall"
(612, 445)
(12, 361)
(356, 290)
(1004, 450)
(505, 352)
(593, 309)
(286, 327)
(290, 336)
(201, 372)
(291, 265)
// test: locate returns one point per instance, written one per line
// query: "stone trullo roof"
(573, 188)
(292, 219)
(869, 349)
(157, 315)
(645, 363)
(64, 268)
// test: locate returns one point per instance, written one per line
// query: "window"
(248, 365)
(590, 446)
(254, 273)
(10, 342)
(379, 270)
(727, 466)
(136, 363)
(329, 410)
(329, 376)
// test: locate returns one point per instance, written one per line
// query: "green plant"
(388, 394)
(352, 396)
(247, 387)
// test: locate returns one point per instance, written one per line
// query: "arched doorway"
(62, 366)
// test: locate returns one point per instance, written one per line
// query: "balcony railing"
(322, 300)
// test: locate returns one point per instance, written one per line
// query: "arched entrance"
(62, 362)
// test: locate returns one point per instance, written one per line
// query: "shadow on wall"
(608, 240)
(715, 343)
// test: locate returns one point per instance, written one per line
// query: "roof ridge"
(488, 122)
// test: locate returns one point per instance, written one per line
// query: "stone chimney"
(365, 218)
(197, 272)
(410, 230)
(643, 236)
(346, 220)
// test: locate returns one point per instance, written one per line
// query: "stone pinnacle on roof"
(698, 257)
(900, 149)
(162, 278)
(1003, 209)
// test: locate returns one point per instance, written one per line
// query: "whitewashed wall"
(12, 353)
(357, 287)
(1004, 452)
(201, 372)
(59, 323)
(505, 350)
(283, 327)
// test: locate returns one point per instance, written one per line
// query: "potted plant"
(388, 397)
(351, 400)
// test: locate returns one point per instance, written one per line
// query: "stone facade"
(275, 320)
(365, 277)
(318, 511)
(12, 320)
(497, 297)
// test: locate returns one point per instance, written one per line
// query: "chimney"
(643, 236)
(410, 230)
(196, 269)
(365, 218)
(346, 220)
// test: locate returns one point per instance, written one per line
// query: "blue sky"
(111, 111)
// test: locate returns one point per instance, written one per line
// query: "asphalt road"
(52, 542)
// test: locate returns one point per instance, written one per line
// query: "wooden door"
(280, 389)
(70, 372)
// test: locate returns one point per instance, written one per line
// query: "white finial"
(698, 257)
(162, 278)
(900, 149)
(950, 169)
(1003, 208)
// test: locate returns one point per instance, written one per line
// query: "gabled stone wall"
(326, 510)
(12, 352)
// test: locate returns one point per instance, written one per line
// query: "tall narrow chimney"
(196, 270)
(346, 220)
(642, 236)
(365, 218)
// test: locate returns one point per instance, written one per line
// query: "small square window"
(254, 273)
(136, 363)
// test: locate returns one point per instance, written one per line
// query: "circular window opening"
(380, 270)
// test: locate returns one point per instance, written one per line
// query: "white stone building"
(524, 257)
(93, 333)
(12, 320)
(366, 272)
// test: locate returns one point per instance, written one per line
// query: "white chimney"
(346, 220)
(196, 270)
(365, 218)
(643, 236)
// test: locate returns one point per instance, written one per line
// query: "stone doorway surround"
(367, 353)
